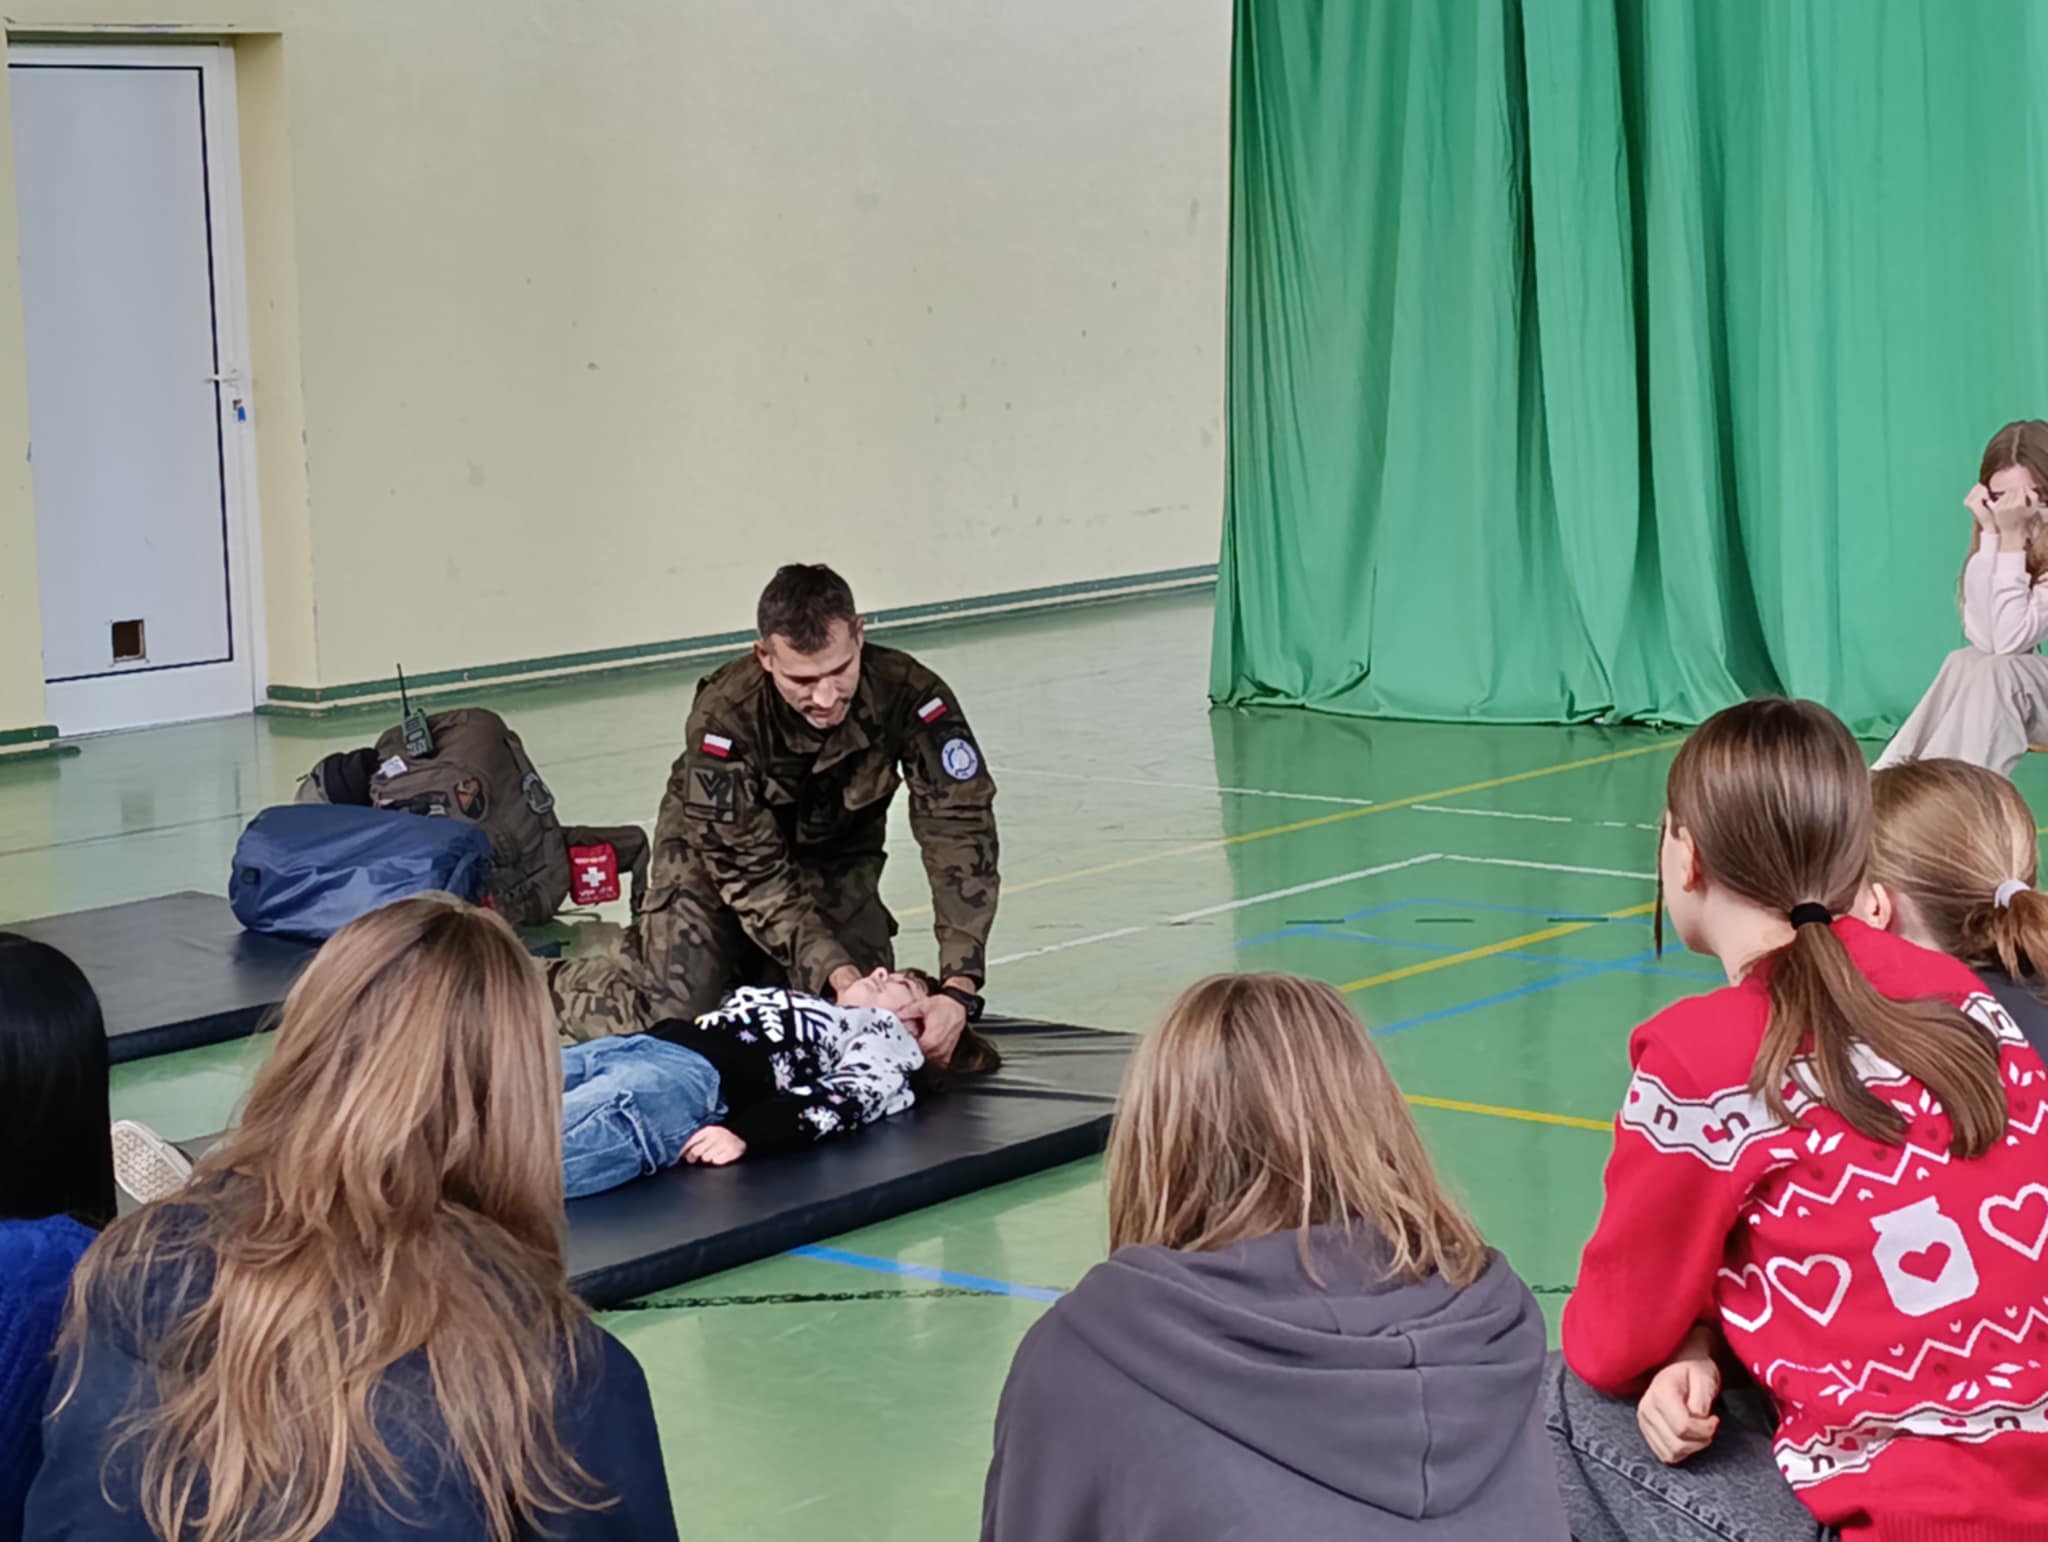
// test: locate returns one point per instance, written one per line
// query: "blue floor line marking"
(925, 1272)
(1618, 966)
(1303, 929)
(1547, 912)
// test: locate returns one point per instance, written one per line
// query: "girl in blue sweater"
(56, 1182)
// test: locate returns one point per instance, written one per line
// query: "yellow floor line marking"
(1471, 955)
(1526, 1115)
(1319, 821)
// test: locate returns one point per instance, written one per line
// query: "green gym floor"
(1483, 895)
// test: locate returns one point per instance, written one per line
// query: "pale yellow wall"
(21, 626)
(601, 308)
(262, 88)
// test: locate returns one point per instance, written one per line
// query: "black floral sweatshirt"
(794, 1069)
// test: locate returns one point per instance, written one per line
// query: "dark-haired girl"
(56, 1182)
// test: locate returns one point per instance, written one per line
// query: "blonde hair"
(394, 1189)
(1260, 1106)
(1777, 801)
(1948, 836)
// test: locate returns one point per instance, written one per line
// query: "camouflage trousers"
(686, 952)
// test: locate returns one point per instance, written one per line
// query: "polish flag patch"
(717, 747)
(933, 710)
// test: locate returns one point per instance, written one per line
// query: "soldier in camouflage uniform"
(768, 852)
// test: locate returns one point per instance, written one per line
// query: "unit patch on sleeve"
(711, 797)
(962, 762)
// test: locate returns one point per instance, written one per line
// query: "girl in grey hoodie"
(1298, 1336)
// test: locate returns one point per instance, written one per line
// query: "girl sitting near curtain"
(354, 1323)
(1825, 1186)
(770, 1070)
(1953, 868)
(1990, 700)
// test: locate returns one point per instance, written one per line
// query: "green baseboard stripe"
(318, 701)
(18, 745)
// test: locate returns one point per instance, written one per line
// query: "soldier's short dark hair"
(801, 602)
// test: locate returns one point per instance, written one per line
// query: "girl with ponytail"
(1829, 1181)
(1953, 867)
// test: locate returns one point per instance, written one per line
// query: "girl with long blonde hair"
(1299, 1333)
(354, 1322)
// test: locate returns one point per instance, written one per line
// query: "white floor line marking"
(1550, 867)
(1301, 888)
(1139, 781)
(1318, 797)
(1061, 947)
(1493, 813)
(1547, 819)
(1216, 910)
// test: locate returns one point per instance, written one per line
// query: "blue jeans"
(628, 1104)
(1615, 1489)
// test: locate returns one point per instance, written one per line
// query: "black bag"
(478, 772)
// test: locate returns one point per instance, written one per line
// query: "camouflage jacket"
(759, 799)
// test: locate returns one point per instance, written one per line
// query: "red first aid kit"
(593, 875)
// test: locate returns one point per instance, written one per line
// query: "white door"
(126, 176)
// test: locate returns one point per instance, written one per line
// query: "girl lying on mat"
(769, 1070)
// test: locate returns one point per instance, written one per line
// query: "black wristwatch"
(974, 1004)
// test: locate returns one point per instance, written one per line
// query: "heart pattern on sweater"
(2021, 1208)
(1810, 1286)
(1740, 1306)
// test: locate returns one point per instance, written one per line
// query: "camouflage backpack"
(478, 772)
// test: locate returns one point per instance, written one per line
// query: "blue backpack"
(308, 869)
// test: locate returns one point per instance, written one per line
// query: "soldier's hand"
(937, 1023)
(714, 1146)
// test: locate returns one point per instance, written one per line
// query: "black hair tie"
(1810, 914)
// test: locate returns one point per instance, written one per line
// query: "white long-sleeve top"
(2003, 610)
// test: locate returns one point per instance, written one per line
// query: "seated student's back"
(56, 1182)
(1298, 1335)
(354, 1321)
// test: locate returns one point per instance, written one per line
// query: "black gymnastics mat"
(1049, 1104)
(173, 972)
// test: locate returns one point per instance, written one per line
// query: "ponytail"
(1818, 995)
(1781, 811)
(2015, 934)
(1956, 846)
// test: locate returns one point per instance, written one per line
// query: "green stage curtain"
(1621, 358)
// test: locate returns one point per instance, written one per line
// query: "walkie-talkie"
(419, 738)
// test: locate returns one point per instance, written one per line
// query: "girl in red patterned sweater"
(1830, 1179)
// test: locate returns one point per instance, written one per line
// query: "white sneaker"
(146, 1166)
